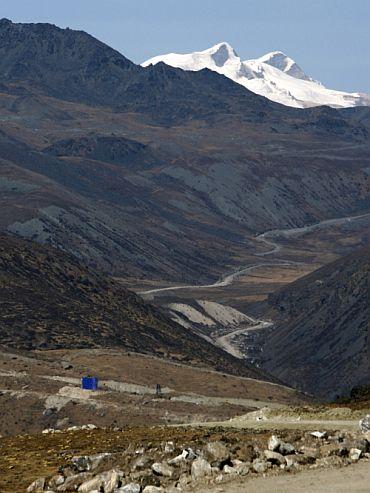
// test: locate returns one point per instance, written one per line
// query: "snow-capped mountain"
(274, 75)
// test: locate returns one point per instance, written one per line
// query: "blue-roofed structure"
(89, 383)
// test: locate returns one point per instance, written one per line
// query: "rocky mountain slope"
(156, 172)
(274, 75)
(50, 301)
(321, 340)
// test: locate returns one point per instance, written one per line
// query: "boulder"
(200, 468)
(141, 462)
(37, 486)
(185, 456)
(162, 469)
(273, 443)
(112, 479)
(241, 469)
(260, 466)
(286, 448)
(310, 453)
(246, 453)
(92, 484)
(153, 489)
(274, 457)
(73, 482)
(365, 423)
(56, 480)
(229, 470)
(216, 453)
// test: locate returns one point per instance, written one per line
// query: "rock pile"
(173, 468)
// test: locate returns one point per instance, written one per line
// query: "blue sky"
(330, 39)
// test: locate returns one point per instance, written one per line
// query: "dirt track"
(352, 479)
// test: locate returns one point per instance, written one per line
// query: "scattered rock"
(56, 481)
(89, 462)
(260, 466)
(365, 423)
(319, 434)
(246, 453)
(216, 453)
(129, 488)
(273, 443)
(162, 469)
(310, 453)
(286, 448)
(274, 457)
(229, 470)
(355, 454)
(186, 455)
(37, 486)
(200, 468)
(169, 447)
(73, 482)
(241, 468)
(142, 462)
(112, 480)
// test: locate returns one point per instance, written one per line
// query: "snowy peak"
(214, 58)
(282, 62)
(222, 53)
(275, 76)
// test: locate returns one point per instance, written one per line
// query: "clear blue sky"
(330, 39)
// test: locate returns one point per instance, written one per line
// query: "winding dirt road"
(269, 238)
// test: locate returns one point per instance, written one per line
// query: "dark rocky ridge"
(321, 342)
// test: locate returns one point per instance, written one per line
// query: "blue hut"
(89, 383)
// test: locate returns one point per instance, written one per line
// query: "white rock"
(129, 488)
(169, 447)
(319, 434)
(153, 489)
(112, 480)
(274, 457)
(355, 454)
(200, 468)
(36, 486)
(273, 443)
(162, 469)
(365, 423)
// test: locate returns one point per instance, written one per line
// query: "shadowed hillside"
(50, 301)
(321, 340)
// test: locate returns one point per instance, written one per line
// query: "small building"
(89, 383)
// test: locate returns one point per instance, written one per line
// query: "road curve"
(269, 239)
